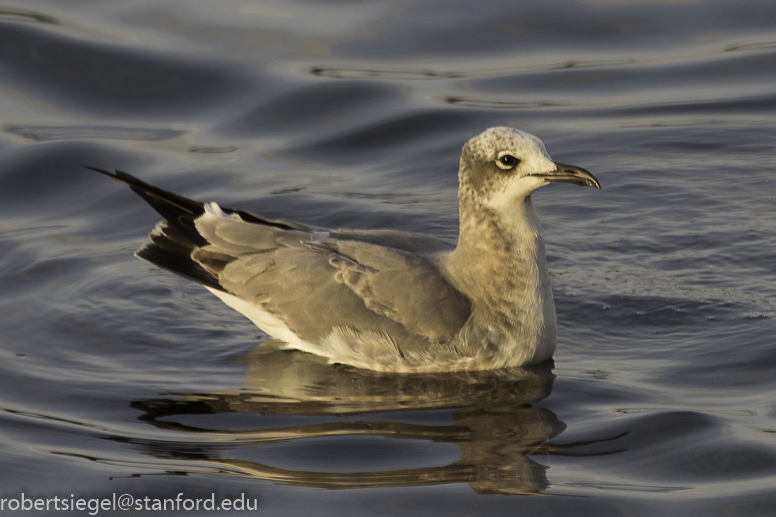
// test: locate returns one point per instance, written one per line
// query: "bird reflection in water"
(495, 428)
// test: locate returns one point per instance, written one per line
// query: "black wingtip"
(179, 263)
(118, 175)
(159, 199)
(101, 171)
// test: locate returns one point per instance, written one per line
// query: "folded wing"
(340, 289)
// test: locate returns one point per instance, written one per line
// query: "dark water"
(118, 378)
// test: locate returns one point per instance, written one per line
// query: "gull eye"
(507, 161)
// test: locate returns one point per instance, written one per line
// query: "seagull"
(379, 299)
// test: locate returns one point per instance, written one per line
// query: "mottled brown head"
(503, 165)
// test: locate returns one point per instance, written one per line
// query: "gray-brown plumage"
(384, 300)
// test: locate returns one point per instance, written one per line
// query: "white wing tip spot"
(213, 209)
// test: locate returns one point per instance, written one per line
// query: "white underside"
(265, 321)
(369, 350)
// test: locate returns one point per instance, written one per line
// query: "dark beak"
(571, 174)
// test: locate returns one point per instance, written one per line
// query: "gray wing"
(316, 283)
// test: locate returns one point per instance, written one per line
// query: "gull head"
(502, 166)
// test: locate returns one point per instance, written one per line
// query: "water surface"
(120, 378)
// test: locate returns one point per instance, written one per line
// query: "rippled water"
(120, 378)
